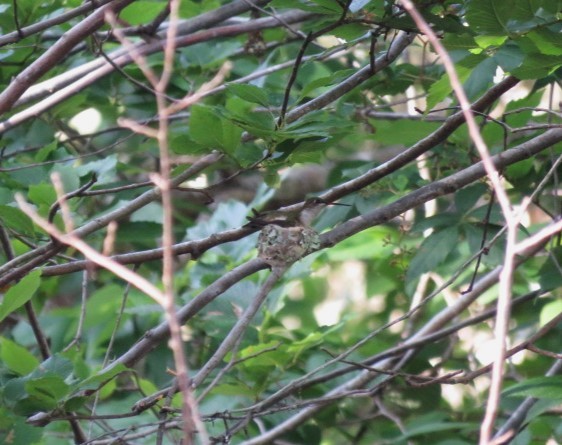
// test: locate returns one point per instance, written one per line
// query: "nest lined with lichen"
(280, 246)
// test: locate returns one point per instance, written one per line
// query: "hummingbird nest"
(281, 246)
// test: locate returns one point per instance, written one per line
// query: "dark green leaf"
(549, 274)
(432, 252)
(436, 221)
(466, 198)
(506, 17)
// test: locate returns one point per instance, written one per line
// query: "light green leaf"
(108, 373)
(539, 387)
(17, 358)
(249, 93)
(16, 220)
(152, 212)
(50, 389)
(141, 12)
(403, 132)
(441, 89)
(42, 194)
(433, 427)
(44, 153)
(205, 126)
(231, 135)
(550, 311)
(324, 81)
(57, 365)
(20, 294)
(485, 42)
(103, 168)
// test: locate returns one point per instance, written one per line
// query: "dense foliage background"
(387, 333)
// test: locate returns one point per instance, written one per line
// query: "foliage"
(381, 336)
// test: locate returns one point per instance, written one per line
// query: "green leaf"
(231, 136)
(550, 311)
(96, 380)
(51, 389)
(272, 178)
(181, 143)
(15, 219)
(432, 252)
(68, 176)
(351, 31)
(17, 358)
(152, 212)
(480, 78)
(459, 42)
(539, 387)
(360, 245)
(144, 233)
(20, 293)
(433, 427)
(485, 42)
(42, 195)
(249, 93)
(402, 132)
(247, 155)
(103, 168)
(536, 63)
(441, 89)
(210, 129)
(44, 153)
(438, 221)
(317, 6)
(57, 365)
(519, 169)
(466, 198)
(230, 391)
(15, 431)
(549, 274)
(258, 124)
(546, 41)
(325, 81)
(205, 126)
(513, 17)
(141, 12)
(509, 56)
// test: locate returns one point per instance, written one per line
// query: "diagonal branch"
(55, 54)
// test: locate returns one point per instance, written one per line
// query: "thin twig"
(83, 299)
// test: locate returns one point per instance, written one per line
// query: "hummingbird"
(301, 216)
(286, 236)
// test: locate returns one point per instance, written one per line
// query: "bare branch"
(55, 53)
